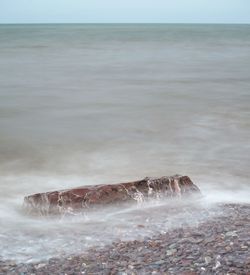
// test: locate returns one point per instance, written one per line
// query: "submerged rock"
(71, 200)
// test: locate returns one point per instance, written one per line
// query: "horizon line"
(124, 23)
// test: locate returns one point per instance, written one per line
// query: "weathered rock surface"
(85, 197)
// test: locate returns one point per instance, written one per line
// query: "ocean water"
(88, 104)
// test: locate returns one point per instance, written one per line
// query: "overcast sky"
(124, 11)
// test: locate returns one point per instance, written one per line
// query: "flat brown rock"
(66, 201)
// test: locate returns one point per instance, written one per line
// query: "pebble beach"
(219, 245)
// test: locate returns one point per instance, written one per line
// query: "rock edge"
(87, 197)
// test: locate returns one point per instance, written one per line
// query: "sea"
(84, 104)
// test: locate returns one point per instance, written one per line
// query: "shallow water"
(87, 104)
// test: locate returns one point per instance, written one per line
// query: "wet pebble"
(170, 252)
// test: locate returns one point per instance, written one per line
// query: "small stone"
(209, 240)
(186, 262)
(140, 226)
(208, 259)
(160, 262)
(173, 245)
(190, 257)
(217, 265)
(40, 266)
(170, 252)
(231, 234)
(192, 240)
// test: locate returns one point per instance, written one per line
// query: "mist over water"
(90, 104)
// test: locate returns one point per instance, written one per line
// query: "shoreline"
(217, 246)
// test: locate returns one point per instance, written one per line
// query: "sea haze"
(86, 104)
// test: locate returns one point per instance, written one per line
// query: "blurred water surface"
(86, 104)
